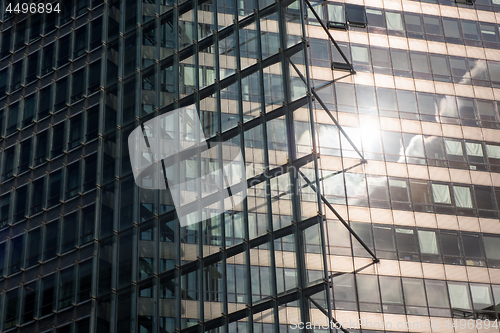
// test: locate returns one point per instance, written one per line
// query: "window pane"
(343, 288)
(84, 281)
(440, 65)
(400, 60)
(441, 193)
(436, 294)
(375, 18)
(368, 290)
(47, 295)
(428, 242)
(390, 290)
(69, 233)
(66, 287)
(470, 30)
(459, 296)
(450, 243)
(34, 245)
(406, 240)
(481, 296)
(451, 28)
(414, 292)
(463, 197)
(492, 247)
(356, 14)
(336, 14)
(394, 21)
(472, 246)
(51, 240)
(384, 238)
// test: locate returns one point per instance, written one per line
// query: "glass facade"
(370, 133)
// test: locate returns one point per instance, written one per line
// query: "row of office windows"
(406, 104)
(46, 295)
(413, 149)
(41, 24)
(411, 25)
(488, 5)
(416, 296)
(416, 195)
(47, 241)
(39, 63)
(403, 243)
(48, 191)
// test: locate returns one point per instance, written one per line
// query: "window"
(69, 232)
(441, 194)
(400, 61)
(450, 244)
(35, 27)
(16, 254)
(21, 203)
(45, 102)
(8, 166)
(34, 244)
(32, 70)
(474, 153)
(75, 133)
(41, 147)
(471, 30)
(414, 26)
(61, 93)
(392, 295)
(64, 50)
(459, 295)
(481, 296)
(489, 33)
(25, 156)
(20, 34)
(4, 209)
(57, 139)
(437, 297)
(492, 248)
(440, 66)
(94, 77)
(11, 309)
(462, 196)
(356, 15)
(378, 192)
(51, 240)
(84, 281)
(72, 180)
(29, 110)
(78, 79)
(421, 195)
(344, 292)
(400, 194)
(368, 292)
(96, 31)
(55, 184)
(384, 242)
(29, 304)
(3, 81)
(90, 172)
(47, 295)
(48, 59)
(87, 225)
(6, 43)
(451, 29)
(80, 41)
(66, 287)
(433, 28)
(92, 123)
(336, 15)
(428, 242)
(394, 21)
(472, 246)
(2, 258)
(364, 231)
(407, 244)
(13, 119)
(414, 292)
(375, 19)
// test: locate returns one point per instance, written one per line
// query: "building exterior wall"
(412, 165)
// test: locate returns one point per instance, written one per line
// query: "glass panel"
(394, 21)
(481, 296)
(66, 287)
(390, 290)
(414, 292)
(459, 296)
(441, 193)
(436, 293)
(356, 14)
(428, 242)
(492, 247)
(463, 197)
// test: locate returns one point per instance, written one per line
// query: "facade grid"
(370, 132)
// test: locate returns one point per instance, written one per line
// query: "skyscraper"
(370, 133)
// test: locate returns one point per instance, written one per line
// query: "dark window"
(375, 18)
(55, 184)
(45, 102)
(11, 309)
(87, 225)
(32, 71)
(451, 30)
(69, 232)
(384, 242)
(414, 25)
(34, 244)
(400, 194)
(80, 41)
(421, 195)
(51, 240)
(400, 60)
(364, 231)
(64, 50)
(16, 254)
(84, 281)
(29, 302)
(35, 27)
(4, 209)
(3, 81)
(433, 28)
(17, 74)
(450, 244)
(29, 110)
(8, 167)
(470, 30)
(90, 172)
(20, 34)
(75, 133)
(66, 11)
(25, 156)
(41, 147)
(72, 180)
(61, 93)
(78, 86)
(489, 32)
(21, 203)
(66, 287)
(2, 258)
(47, 295)
(472, 246)
(13, 119)
(407, 245)
(96, 31)
(92, 123)
(48, 59)
(57, 139)
(94, 76)
(38, 195)
(356, 15)
(81, 6)
(6, 43)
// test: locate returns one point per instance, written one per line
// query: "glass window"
(489, 32)
(64, 50)
(13, 119)
(406, 241)
(94, 77)
(34, 247)
(4, 209)
(87, 225)
(356, 15)
(8, 165)
(414, 292)
(463, 198)
(407, 101)
(61, 93)
(11, 310)
(368, 290)
(21, 203)
(32, 70)
(2, 258)
(336, 15)
(470, 30)
(481, 296)
(16, 75)
(16, 254)
(57, 139)
(69, 232)
(390, 290)
(400, 60)
(78, 85)
(400, 193)
(380, 57)
(364, 231)
(92, 123)
(378, 192)
(436, 293)
(451, 28)
(80, 41)
(51, 240)
(360, 55)
(375, 18)
(3, 81)
(75, 133)
(450, 243)
(96, 32)
(459, 68)
(472, 246)
(384, 238)
(90, 172)
(45, 102)
(48, 59)
(459, 295)
(432, 25)
(454, 150)
(492, 247)
(84, 281)
(486, 110)
(428, 242)
(439, 65)
(414, 25)
(41, 148)
(485, 199)
(441, 193)
(394, 21)
(421, 192)
(29, 304)
(24, 156)
(72, 179)
(55, 187)
(47, 295)
(29, 110)
(66, 287)
(474, 152)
